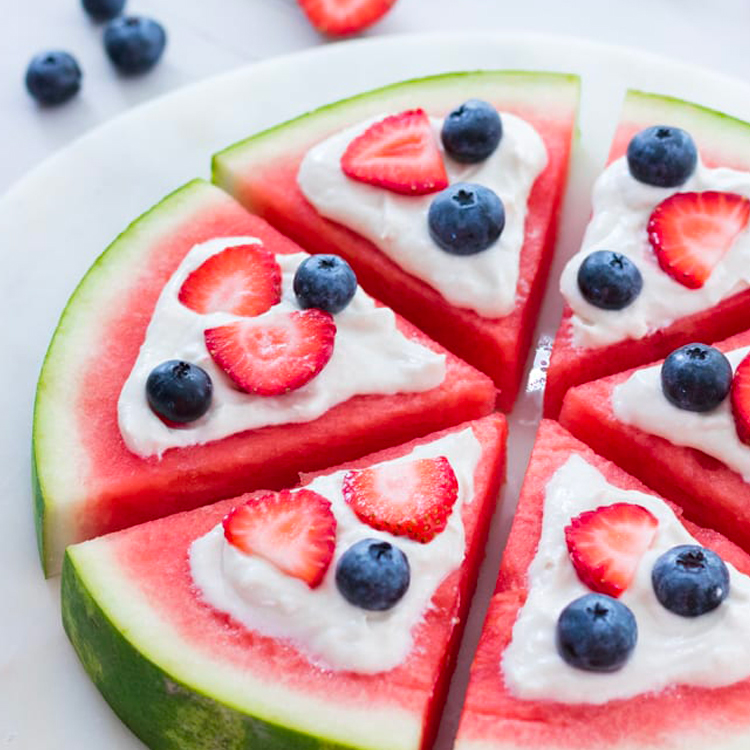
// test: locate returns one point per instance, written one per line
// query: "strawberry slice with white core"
(413, 498)
(740, 400)
(241, 280)
(295, 531)
(399, 154)
(342, 17)
(275, 354)
(691, 232)
(606, 545)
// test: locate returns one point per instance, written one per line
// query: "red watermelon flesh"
(140, 578)
(88, 483)
(721, 141)
(709, 492)
(673, 719)
(262, 173)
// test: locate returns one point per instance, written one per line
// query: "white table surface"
(207, 37)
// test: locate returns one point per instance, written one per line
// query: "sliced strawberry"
(295, 531)
(342, 17)
(411, 499)
(274, 354)
(242, 280)
(691, 232)
(399, 154)
(606, 545)
(740, 399)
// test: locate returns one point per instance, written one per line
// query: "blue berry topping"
(326, 282)
(596, 633)
(134, 43)
(472, 131)
(103, 10)
(690, 580)
(465, 218)
(609, 280)
(373, 574)
(179, 391)
(696, 377)
(53, 77)
(662, 156)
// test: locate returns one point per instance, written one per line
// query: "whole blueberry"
(662, 155)
(690, 580)
(103, 10)
(472, 131)
(179, 391)
(53, 77)
(596, 633)
(326, 282)
(134, 43)
(465, 218)
(373, 574)
(609, 280)
(696, 377)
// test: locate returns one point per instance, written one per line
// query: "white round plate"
(60, 217)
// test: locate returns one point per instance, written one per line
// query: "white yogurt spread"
(397, 224)
(709, 651)
(621, 210)
(329, 630)
(370, 356)
(639, 401)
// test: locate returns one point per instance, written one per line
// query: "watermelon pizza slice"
(443, 193)
(324, 616)
(186, 368)
(664, 260)
(616, 624)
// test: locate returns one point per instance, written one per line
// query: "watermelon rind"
(176, 697)
(540, 91)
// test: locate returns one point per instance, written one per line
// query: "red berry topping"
(740, 399)
(242, 280)
(295, 531)
(691, 232)
(399, 154)
(275, 354)
(341, 17)
(606, 545)
(411, 499)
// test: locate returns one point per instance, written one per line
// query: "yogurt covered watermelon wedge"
(88, 481)
(183, 673)
(685, 684)
(476, 306)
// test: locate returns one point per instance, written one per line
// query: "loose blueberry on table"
(696, 377)
(53, 77)
(134, 43)
(179, 391)
(326, 282)
(609, 280)
(103, 10)
(472, 131)
(662, 156)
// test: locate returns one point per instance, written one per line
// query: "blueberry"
(696, 377)
(662, 155)
(134, 43)
(373, 574)
(609, 280)
(326, 282)
(53, 77)
(465, 218)
(179, 391)
(690, 580)
(596, 633)
(472, 131)
(103, 10)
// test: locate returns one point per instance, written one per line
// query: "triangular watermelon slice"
(722, 141)
(706, 710)
(261, 172)
(184, 675)
(87, 482)
(672, 450)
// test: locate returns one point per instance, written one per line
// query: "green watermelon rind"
(538, 89)
(53, 414)
(143, 672)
